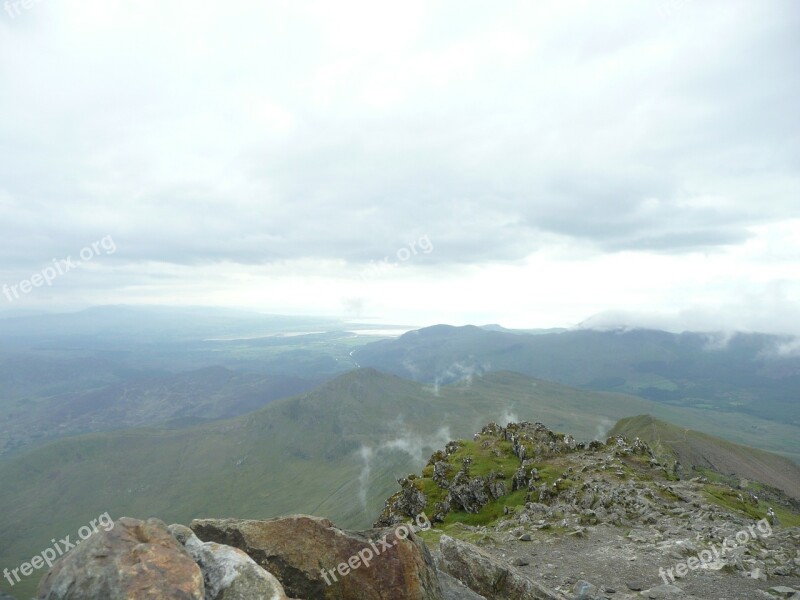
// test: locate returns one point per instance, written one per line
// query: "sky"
(529, 163)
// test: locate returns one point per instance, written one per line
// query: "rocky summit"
(524, 512)
(515, 513)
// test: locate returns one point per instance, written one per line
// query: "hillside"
(335, 451)
(741, 383)
(696, 451)
(743, 372)
(173, 400)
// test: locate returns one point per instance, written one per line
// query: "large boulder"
(488, 576)
(134, 560)
(314, 559)
(228, 572)
(453, 589)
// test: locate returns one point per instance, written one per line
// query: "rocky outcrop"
(228, 573)
(314, 559)
(409, 501)
(470, 493)
(136, 560)
(488, 576)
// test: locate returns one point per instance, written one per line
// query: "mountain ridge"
(334, 451)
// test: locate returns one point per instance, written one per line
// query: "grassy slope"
(304, 454)
(697, 449)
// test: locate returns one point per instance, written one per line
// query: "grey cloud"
(608, 141)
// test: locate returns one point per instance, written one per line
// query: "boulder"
(488, 576)
(314, 559)
(453, 589)
(133, 560)
(230, 574)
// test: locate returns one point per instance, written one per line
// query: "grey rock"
(230, 574)
(584, 590)
(664, 590)
(453, 589)
(782, 591)
(180, 533)
(488, 576)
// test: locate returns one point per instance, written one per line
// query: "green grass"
(697, 450)
(729, 499)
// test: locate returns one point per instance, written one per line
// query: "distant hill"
(335, 451)
(740, 378)
(174, 400)
(696, 450)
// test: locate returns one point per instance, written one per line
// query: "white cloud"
(565, 158)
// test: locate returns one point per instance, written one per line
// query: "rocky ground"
(627, 561)
(517, 513)
(607, 520)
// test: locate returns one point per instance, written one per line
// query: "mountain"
(174, 400)
(515, 512)
(742, 378)
(120, 367)
(700, 452)
(335, 451)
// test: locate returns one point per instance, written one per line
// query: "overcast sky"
(530, 163)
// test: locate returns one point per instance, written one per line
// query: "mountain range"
(335, 451)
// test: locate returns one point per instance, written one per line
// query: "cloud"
(272, 141)
(417, 447)
(509, 417)
(786, 349)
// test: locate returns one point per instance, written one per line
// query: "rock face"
(228, 573)
(314, 559)
(487, 576)
(469, 493)
(409, 501)
(134, 560)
